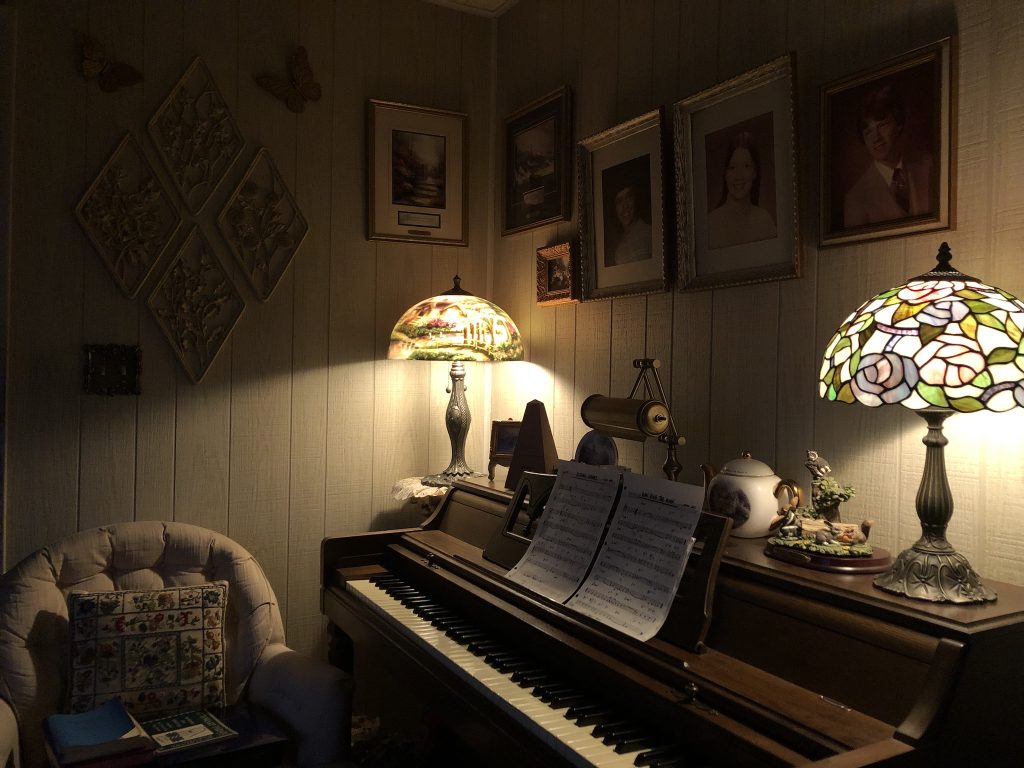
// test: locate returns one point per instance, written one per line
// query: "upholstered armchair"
(311, 698)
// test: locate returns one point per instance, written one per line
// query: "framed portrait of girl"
(736, 180)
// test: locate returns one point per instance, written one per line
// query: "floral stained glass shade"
(941, 340)
(455, 326)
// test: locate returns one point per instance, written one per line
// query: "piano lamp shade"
(459, 327)
(941, 343)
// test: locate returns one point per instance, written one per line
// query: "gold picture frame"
(736, 180)
(623, 210)
(556, 275)
(419, 173)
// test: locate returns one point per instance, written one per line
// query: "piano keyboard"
(578, 726)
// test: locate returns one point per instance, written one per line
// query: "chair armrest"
(313, 698)
(10, 754)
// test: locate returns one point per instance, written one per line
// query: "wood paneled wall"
(300, 427)
(742, 362)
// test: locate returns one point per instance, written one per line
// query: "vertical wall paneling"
(49, 172)
(352, 433)
(202, 439)
(261, 373)
(107, 481)
(307, 489)
(161, 66)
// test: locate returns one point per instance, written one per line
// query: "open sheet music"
(628, 578)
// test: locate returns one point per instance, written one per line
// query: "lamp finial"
(943, 257)
(457, 289)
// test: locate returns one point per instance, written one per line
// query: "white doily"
(413, 488)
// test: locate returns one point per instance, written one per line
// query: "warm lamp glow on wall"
(941, 343)
(455, 326)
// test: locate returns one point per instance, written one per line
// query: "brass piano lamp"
(633, 418)
(455, 326)
(941, 343)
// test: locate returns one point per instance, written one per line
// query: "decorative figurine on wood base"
(816, 537)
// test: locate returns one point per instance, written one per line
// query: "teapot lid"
(745, 466)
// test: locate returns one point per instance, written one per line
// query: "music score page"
(569, 530)
(642, 559)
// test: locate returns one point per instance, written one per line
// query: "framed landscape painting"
(888, 157)
(736, 180)
(538, 171)
(418, 174)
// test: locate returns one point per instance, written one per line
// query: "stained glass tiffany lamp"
(941, 343)
(455, 326)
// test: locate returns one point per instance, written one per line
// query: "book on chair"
(106, 735)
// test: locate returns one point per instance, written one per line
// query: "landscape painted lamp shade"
(459, 327)
(941, 343)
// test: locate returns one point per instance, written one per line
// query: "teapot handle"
(792, 488)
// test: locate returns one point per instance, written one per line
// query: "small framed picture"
(418, 174)
(622, 210)
(736, 180)
(538, 165)
(888, 148)
(556, 270)
(504, 435)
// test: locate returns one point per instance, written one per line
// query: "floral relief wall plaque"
(195, 135)
(127, 216)
(196, 305)
(262, 225)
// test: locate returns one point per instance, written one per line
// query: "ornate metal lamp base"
(457, 420)
(931, 571)
(446, 478)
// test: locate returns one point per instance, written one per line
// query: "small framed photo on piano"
(504, 435)
(509, 543)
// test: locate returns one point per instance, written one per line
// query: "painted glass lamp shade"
(941, 343)
(459, 327)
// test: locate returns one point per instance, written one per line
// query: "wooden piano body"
(799, 667)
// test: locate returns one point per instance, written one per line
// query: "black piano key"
(473, 636)
(632, 743)
(513, 666)
(546, 691)
(626, 732)
(604, 728)
(650, 757)
(588, 708)
(483, 647)
(564, 700)
(529, 679)
(497, 656)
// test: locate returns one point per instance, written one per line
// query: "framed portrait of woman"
(736, 180)
(622, 210)
(888, 148)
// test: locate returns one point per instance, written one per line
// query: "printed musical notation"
(640, 564)
(569, 532)
(641, 560)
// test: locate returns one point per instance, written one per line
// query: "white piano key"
(572, 741)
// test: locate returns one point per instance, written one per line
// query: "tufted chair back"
(34, 652)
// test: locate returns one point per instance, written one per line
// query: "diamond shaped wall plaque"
(195, 135)
(262, 225)
(127, 216)
(196, 305)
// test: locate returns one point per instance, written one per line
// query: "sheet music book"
(625, 578)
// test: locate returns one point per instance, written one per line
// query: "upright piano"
(790, 666)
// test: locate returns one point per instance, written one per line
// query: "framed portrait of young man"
(622, 210)
(888, 148)
(736, 180)
(418, 174)
(538, 163)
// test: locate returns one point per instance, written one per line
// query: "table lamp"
(941, 343)
(455, 326)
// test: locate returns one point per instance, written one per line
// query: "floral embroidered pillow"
(159, 650)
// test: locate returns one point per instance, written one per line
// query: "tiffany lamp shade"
(941, 343)
(455, 326)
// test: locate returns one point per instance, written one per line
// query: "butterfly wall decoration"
(296, 90)
(110, 75)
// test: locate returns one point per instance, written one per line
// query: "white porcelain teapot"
(747, 491)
